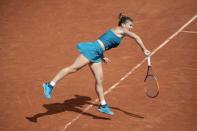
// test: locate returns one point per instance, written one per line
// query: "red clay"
(38, 38)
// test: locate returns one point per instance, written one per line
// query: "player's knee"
(72, 69)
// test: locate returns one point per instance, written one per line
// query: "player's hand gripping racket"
(152, 85)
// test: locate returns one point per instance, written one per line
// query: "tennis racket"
(151, 81)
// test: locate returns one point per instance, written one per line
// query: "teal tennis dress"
(93, 51)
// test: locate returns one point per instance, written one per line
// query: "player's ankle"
(52, 83)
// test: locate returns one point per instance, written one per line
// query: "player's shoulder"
(118, 29)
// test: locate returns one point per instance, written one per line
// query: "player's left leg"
(97, 71)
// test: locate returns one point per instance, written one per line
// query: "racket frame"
(150, 73)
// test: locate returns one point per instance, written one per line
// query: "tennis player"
(91, 53)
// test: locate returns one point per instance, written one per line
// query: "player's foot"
(47, 90)
(105, 109)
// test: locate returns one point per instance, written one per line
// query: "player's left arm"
(105, 59)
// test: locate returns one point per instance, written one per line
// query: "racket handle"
(149, 61)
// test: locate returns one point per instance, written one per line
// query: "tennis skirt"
(91, 50)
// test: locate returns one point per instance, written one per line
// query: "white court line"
(192, 32)
(131, 71)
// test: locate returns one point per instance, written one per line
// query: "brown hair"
(123, 19)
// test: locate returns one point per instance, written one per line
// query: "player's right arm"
(138, 41)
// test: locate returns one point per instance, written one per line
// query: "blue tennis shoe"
(47, 90)
(105, 109)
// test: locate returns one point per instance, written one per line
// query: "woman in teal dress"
(91, 53)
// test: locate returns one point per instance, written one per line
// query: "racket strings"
(152, 86)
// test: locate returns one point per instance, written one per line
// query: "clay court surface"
(38, 38)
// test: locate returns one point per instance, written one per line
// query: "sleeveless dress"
(93, 51)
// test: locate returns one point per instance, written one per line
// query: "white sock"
(52, 83)
(103, 102)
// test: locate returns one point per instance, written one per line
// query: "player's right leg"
(80, 62)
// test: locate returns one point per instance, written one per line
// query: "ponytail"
(123, 19)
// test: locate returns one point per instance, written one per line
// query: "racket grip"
(149, 61)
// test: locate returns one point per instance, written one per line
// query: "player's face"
(129, 25)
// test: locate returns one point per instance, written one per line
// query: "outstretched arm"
(139, 41)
